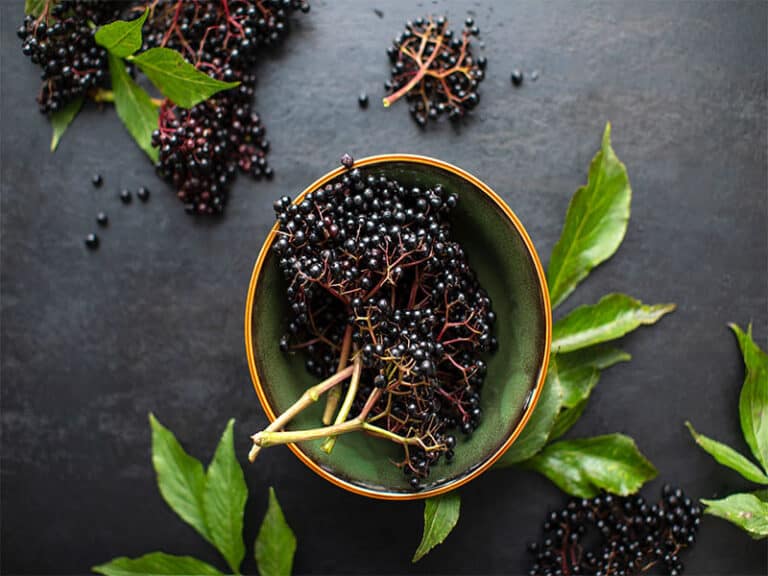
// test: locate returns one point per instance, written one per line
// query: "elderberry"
(371, 259)
(449, 73)
(61, 41)
(617, 535)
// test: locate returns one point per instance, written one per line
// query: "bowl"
(508, 267)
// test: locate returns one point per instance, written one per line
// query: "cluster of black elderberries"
(202, 149)
(435, 70)
(370, 263)
(617, 536)
(61, 42)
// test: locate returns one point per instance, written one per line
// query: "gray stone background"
(153, 321)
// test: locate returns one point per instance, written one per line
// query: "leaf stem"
(310, 396)
(102, 95)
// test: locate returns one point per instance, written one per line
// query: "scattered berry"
(97, 180)
(143, 194)
(125, 196)
(102, 219)
(516, 77)
(447, 74)
(362, 100)
(92, 241)
(347, 161)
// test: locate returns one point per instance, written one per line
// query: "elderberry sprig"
(435, 70)
(617, 536)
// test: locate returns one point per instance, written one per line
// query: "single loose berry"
(97, 180)
(362, 100)
(92, 241)
(125, 196)
(102, 219)
(143, 194)
(516, 77)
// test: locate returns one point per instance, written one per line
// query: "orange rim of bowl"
(543, 292)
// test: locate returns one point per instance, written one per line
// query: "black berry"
(362, 100)
(92, 241)
(97, 180)
(516, 77)
(102, 219)
(125, 196)
(143, 194)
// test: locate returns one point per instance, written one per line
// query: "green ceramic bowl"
(507, 266)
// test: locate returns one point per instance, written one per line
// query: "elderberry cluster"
(613, 535)
(448, 74)
(371, 259)
(202, 149)
(61, 42)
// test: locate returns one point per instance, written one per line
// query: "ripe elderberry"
(617, 535)
(202, 149)
(374, 277)
(61, 42)
(435, 70)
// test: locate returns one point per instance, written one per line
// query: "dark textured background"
(91, 342)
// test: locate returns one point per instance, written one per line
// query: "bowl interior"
(507, 270)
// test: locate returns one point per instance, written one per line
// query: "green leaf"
(748, 511)
(224, 500)
(567, 418)
(727, 456)
(534, 435)
(276, 543)
(600, 357)
(158, 563)
(134, 106)
(177, 79)
(180, 477)
(35, 7)
(440, 516)
(583, 467)
(612, 317)
(62, 119)
(753, 400)
(595, 223)
(121, 38)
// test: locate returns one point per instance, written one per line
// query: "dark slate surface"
(91, 342)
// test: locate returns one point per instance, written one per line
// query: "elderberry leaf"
(224, 500)
(753, 400)
(595, 223)
(536, 432)
(35, 7)
(585, 466)
(440, 516)
(122, 38)
(177, 79)
(748, 511)
(62, 119)
(134, 107)
(612, 317)
(158, 563)
(276, 543)
(567, 418)
(180, 477)
(728, 457)
(600, 357)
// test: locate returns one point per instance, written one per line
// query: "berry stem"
(332, 401)
(348, 399)
(310, 396)
(423, 68)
